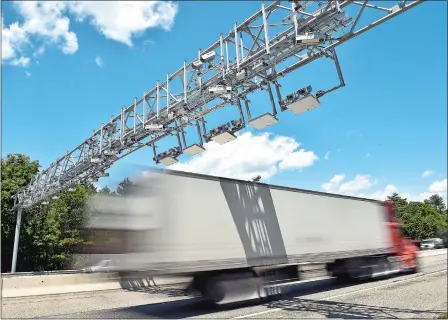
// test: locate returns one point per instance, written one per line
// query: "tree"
(17, 171)
(437, 203)
(39, 236)
(50, 233)
(399, 203)
(420, 220)
(125, 187)
(105, 190)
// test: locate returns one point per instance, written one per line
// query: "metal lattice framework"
(247, 59)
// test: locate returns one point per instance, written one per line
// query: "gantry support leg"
(16, 240)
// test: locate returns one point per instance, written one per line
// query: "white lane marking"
(347, 293)
(299, 282)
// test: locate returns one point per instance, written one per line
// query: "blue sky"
(382, 131)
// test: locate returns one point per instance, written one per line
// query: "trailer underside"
(231, 285)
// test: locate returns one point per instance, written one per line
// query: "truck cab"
(403, 249)
(402, 256)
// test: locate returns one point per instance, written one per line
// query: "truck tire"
(230, 288)
(343, 278)
(353, 270)
(338, 270)
(214, 291)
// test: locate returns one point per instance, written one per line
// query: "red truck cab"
(403, 249)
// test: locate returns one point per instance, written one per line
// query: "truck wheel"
(214, 291)
(343, 278)
(231, 288)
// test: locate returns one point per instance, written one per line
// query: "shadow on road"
(148, 285)
(290, 301)
(341, 310)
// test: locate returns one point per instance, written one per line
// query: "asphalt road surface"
(422, 295)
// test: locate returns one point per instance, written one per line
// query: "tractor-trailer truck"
(236, 238)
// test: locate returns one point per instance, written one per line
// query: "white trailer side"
(215, 223)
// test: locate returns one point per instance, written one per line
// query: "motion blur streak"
(236, 238)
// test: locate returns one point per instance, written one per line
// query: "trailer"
(235, 237)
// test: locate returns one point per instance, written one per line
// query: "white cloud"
(357, 187)
(332, 185)
(12, 38)
(361, 185)
(327, 155)
(21, 62)
(353, 187)
(384, 193)
(48, 23)
(298, 159)
(42, 20)
(121, 20)
(250, 155)
(437, 187)
(427, 173)
(99, 62)
(40, 51)
(388, 190)
(27, 74)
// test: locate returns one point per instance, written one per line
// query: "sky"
(67, 67)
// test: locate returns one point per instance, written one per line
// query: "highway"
(422, 295)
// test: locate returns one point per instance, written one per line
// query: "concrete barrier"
(48, 284)
(36, 285)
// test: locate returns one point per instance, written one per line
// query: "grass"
(443, 316)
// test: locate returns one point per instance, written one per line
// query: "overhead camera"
(220, 89)
(154, 127)
(310, 39)
(206, 57)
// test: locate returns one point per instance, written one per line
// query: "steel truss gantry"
(278, 39)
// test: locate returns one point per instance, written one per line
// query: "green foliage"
(50, 233)
(105, 190)
(437, 203)
(400, 203)
(124, 187)
(17, 171)
(421, 220)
